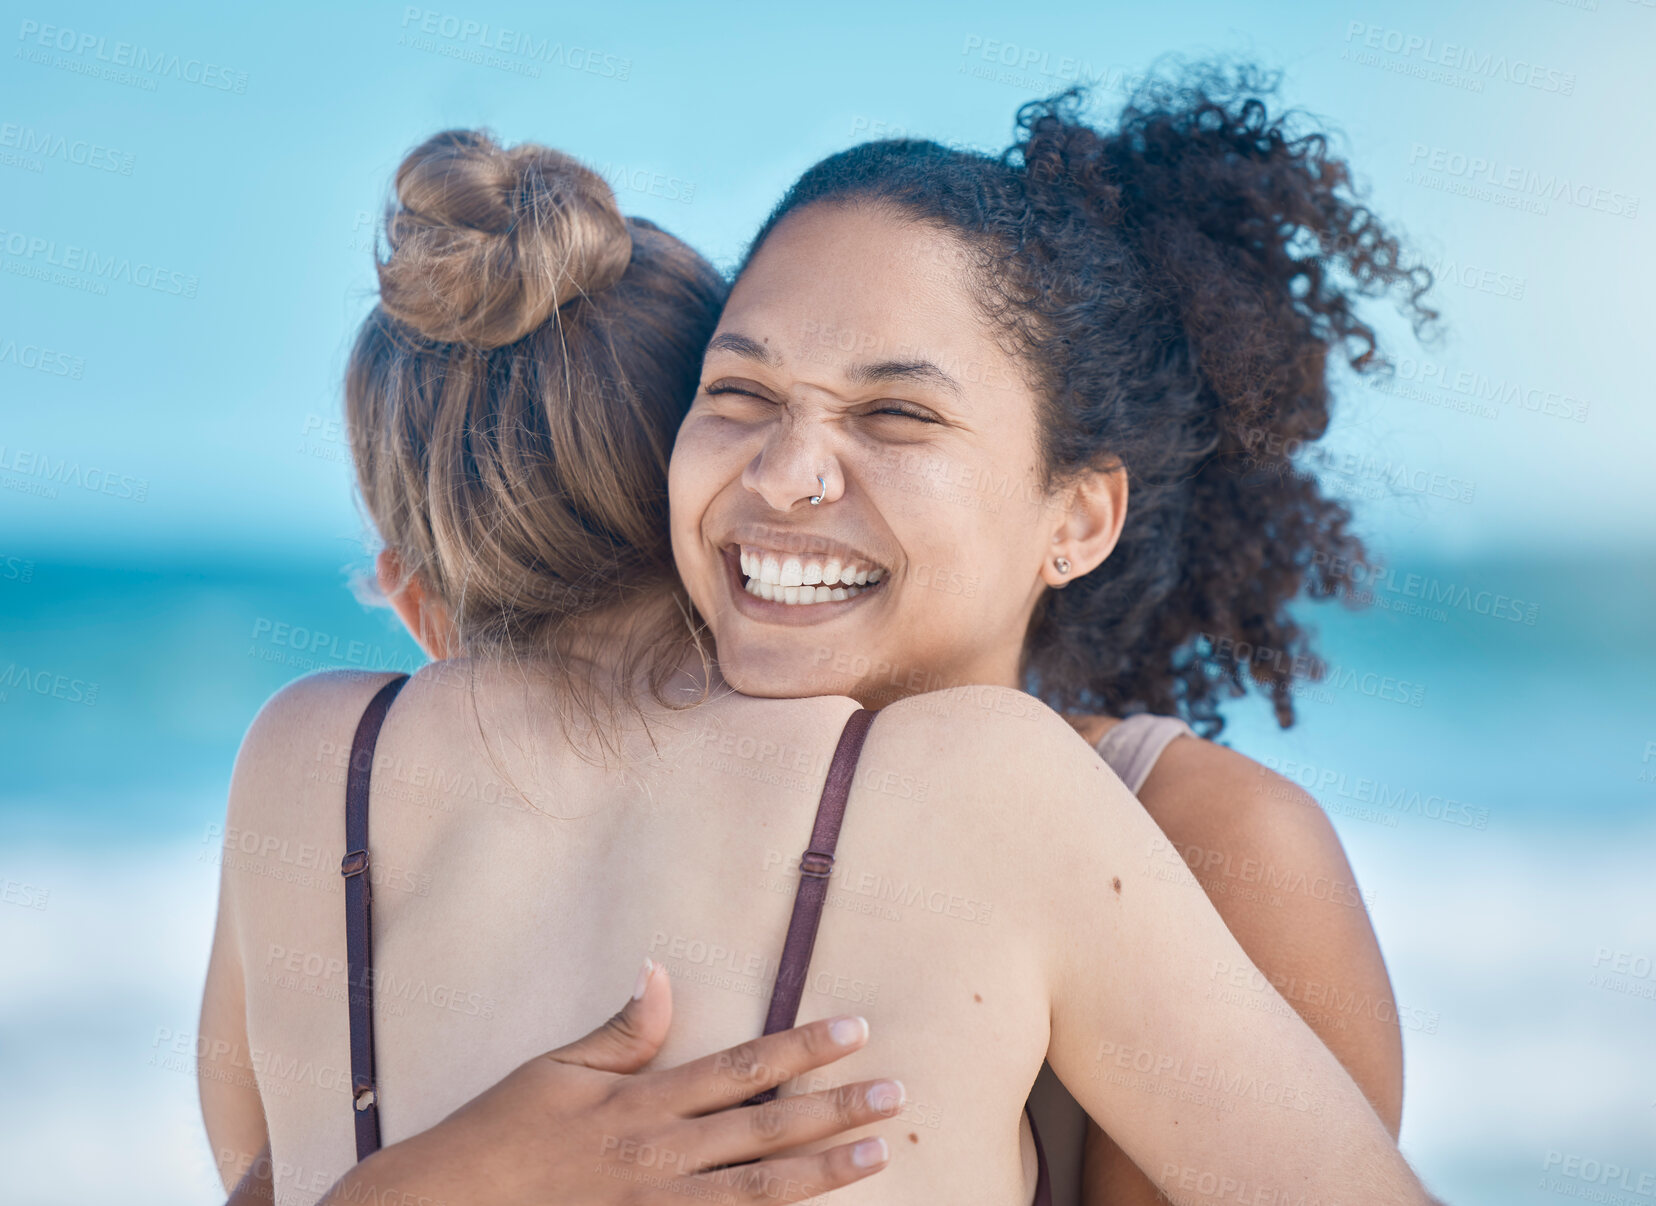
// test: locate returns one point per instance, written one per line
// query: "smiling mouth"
(808, 579)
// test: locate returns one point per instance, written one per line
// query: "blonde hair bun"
(486, 242)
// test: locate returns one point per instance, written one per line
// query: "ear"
(1090, 513)
(422, 613)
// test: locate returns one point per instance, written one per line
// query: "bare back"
(518, 883)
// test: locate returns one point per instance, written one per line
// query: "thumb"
(630, 1039)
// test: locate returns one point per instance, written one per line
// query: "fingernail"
(846, 1031)
(885, 1095)
(869, 1152)
(643, 977)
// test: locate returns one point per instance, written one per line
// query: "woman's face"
(852, 348)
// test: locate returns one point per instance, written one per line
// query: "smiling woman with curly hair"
(1054, 399)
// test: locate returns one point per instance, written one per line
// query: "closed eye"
(739, 398)
(719, 388)
(906, 411)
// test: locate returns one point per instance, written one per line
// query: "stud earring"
(822, 492)
(1061, 564)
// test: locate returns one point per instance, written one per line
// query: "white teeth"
(780, 578)
(799, 595)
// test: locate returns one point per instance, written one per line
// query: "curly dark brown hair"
(1176, 284)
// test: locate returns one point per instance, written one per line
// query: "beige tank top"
(1131, 749)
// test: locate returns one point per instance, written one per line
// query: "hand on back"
(582, 1125)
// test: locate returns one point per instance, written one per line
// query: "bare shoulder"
(303, 728)
(998, 745)
(317, 701)
(1223, 809)
(973, 718)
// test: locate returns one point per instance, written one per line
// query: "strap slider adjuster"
(816, 864)
(354, 863)
(362, 1091)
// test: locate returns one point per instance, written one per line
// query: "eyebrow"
(741, 345)
(922, 372)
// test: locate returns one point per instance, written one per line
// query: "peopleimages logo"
(1321, 781)
(79, 151)
(467, 37)
(37, 474)
(1220, 652)
(1521, 181)
(47, 683)
(150, 64)
(1023, 66)
(1483, 391)
(41, 359)
(1451, 56)
(1471, 276)
(1586, 1170)
(36, 254)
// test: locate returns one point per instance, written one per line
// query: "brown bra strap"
(815, 865)
(359, 929)
(1043, 1179)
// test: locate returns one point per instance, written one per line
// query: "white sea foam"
(1534, 1061)
(99, 979)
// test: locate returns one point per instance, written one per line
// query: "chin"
(781, 670)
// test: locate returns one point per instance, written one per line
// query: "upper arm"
(230, 1104)
(1269, 860)
(1161, 1026)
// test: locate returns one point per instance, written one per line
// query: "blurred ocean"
(1485, 744)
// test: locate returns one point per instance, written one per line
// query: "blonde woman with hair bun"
(569, 785)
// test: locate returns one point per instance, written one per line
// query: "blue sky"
(219, 168)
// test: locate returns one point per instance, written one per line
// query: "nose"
(794, 466)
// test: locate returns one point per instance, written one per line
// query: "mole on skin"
(977, 998)
(913, 1138)
(1115, 882)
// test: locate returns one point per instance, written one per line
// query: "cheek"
(691, 489)
(962, 583)
(956, 529)
(707, 456)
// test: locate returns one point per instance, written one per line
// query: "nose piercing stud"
(1061, 564)
(822, 490)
